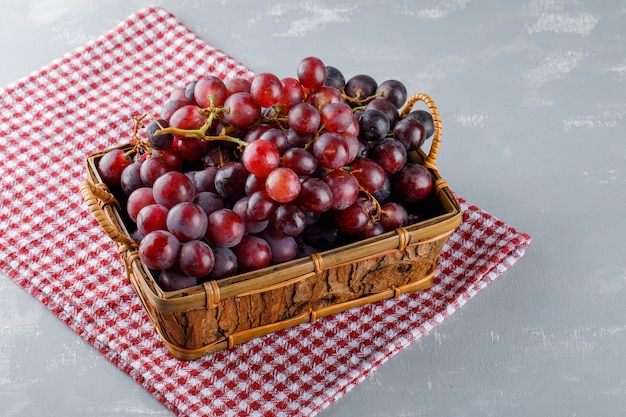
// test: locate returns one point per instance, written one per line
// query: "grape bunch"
(239, 174)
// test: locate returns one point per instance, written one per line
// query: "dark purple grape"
(323, 235)
(174, 279)
(209, 201)
(196, 258)
(160, 141)
(190, 90)
(299, 140)
(131, 178)
(335, 78)
(384, 194)
(300, 161)
(289, 220)
(386, 107)
(394, 91)
(204, 180)
(373, 125)
(361, 87)
(230, 181)
(225, 263)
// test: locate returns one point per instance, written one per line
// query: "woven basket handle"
(431, 158)
(96, 198)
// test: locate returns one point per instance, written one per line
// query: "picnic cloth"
(51, 245)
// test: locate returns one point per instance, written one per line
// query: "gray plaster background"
(533, 100)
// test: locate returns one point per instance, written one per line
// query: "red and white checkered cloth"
(51, 245)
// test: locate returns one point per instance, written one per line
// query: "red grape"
(352, 220)
(300, 161)
(137, 200)
(315, 196)
(292, 93)
(225, 228)
(337, 117)
(324, 96)
(393, 215)
(170, 107)
(252, 253)
(171, 156)
(266, 89)
(111, 166)
(283, 185)
(390, 154)
(210, 91)
(252, 226)
(188, 117)
(172, 188)
(260, 158)
(304, 118)
(413, 183)
(331, 150)
(158, 250)
(241, 110)
(344, 187)
(260, 206)
(425, 119)
(311, 73)
(237, 85)
(369, 174)
(151, 169)
(152, 217)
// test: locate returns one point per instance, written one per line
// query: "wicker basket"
(221, 314)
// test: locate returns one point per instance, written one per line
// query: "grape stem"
(358, 100)
(375, 216)
(201, 133)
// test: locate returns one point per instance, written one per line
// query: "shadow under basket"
(217, 315)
